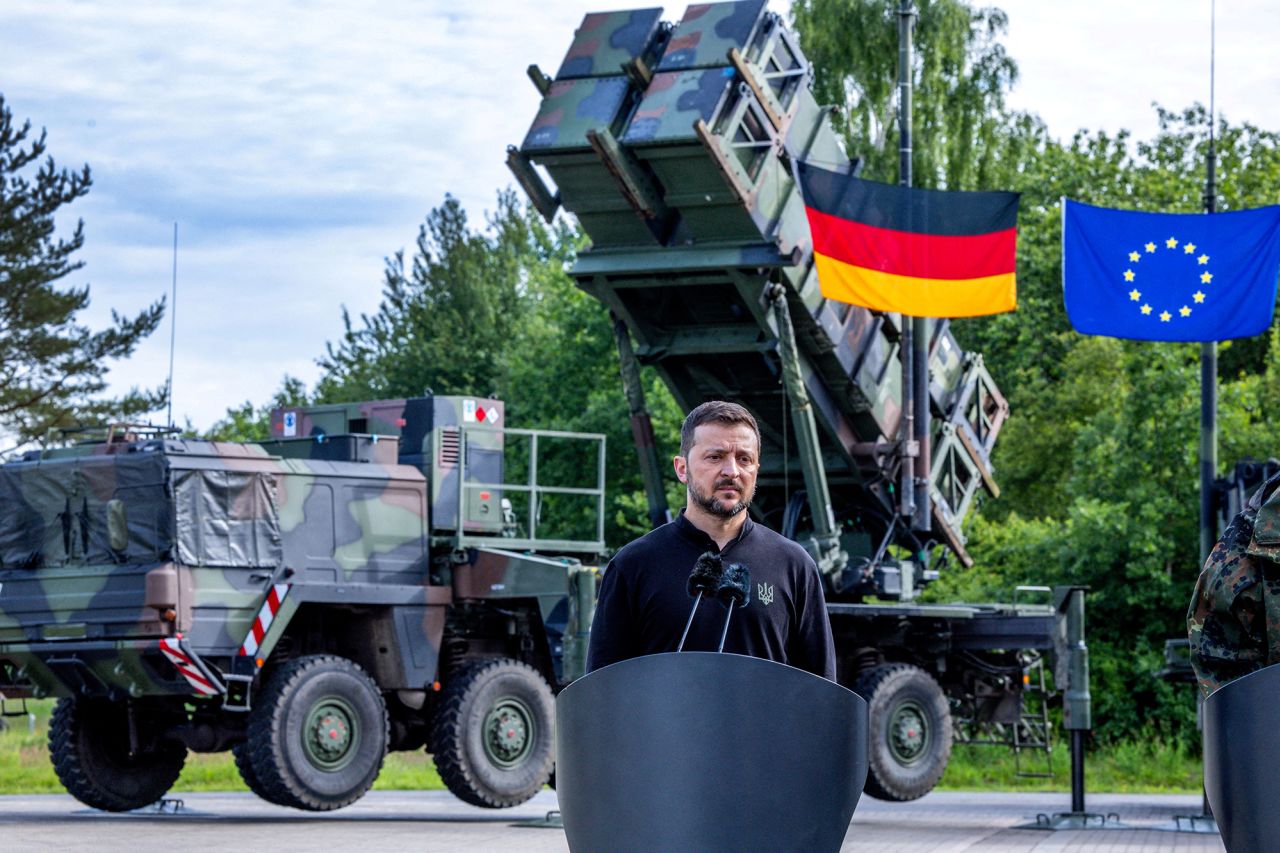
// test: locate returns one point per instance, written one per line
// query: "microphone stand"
(735, 588)
(689, 624)
(725, 633)
(707, 574)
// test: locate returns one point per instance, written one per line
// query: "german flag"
(926, 253)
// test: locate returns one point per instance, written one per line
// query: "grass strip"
(1147, 767)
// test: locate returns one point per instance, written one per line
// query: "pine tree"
(52, 369)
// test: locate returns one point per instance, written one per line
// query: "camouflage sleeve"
(1226, 621)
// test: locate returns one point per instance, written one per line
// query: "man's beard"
(714, 505)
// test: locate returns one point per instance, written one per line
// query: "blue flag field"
(1169, 276)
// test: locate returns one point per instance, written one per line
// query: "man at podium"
(644, 602)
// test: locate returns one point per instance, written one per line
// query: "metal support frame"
(825, 543)
(1077, 716)
(544, 200)
(635, 185)
(535, 490)
(641, 427)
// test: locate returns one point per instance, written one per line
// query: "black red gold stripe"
(919, 297)
(921, 252)
(938, 212)
(915, 255)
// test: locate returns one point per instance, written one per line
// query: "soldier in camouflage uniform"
(1234, 619)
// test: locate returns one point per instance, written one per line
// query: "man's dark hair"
(717, 412)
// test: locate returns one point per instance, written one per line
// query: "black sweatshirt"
(644, 602)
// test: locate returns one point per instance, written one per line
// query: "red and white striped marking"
(173, 651)
(266, 615)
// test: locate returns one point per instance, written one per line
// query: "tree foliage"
(1098, 461)
(52, 368)
(248, 422)
(493, 312)
(963, 137)
(446, 321)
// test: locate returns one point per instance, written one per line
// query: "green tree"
(447, 321)
(494, 312)
(247, 422)
(565, 376)
(1098, 463)
(52, 368)
(1033, 353)
(963, 137)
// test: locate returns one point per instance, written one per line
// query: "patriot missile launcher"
(674, 147)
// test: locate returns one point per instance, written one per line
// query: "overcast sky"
(297, 143)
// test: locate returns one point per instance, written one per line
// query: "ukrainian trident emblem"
(764, 592)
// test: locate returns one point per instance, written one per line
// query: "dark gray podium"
(707, 752)
(1242, 760)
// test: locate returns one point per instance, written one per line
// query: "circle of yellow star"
(1171, 243)
(1128, 275)
(1189, 248)
(1135, 257)
(1150, 247)
(1184, 311)
(1198, 296)
(1165, 316)
(1202, 260)
(1146, 309)
(1206, 277)
(1135, 295)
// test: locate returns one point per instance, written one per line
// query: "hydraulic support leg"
(825, 544)
(641, 428)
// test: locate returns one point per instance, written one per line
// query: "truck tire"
(317, 734)
(89, 745)
(909, 737)
(244, 764)
(493, 739)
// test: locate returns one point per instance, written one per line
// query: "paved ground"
(435, 821)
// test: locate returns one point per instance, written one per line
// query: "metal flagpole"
(915, 330)
(1204, 822)
(1209, 349)
(1208, 377)
(914, 481)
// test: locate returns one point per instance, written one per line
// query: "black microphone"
(704, 579)
(734, 588)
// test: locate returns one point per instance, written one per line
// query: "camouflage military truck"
(365, 581)
(675, 147)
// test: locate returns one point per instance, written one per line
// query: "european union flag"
(1169, 276)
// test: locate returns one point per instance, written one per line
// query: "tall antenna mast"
(173, 322)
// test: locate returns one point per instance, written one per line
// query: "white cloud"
(1101, 65)
(299, 142)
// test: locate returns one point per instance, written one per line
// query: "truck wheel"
(244, 764)
(909, 738)
(493, 739)
(317, 734)
(89, 745)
